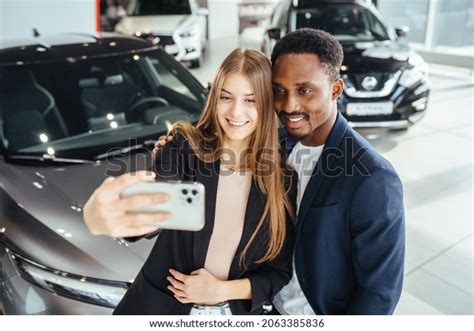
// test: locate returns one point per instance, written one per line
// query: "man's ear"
(337, 88)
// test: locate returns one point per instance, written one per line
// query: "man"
(349, 250)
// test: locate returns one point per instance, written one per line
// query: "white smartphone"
(186, 203)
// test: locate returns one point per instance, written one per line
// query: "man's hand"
(106, 213)
(200, 287)
(162, 141)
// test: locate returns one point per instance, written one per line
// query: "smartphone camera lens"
(194, 192)
(189, 200)
(184, 191)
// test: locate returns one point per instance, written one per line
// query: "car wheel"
(198, 62)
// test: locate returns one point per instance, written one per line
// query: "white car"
(178, 25)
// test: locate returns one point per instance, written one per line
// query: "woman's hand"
(200, 287)
(107, 213)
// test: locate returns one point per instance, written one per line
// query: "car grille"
(386, 83)
(381, 77)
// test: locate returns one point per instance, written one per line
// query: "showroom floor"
(434, 159)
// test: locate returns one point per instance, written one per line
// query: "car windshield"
(83, 108)
(159, 7)
(344, 21)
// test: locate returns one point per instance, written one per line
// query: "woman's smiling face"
(237, 112)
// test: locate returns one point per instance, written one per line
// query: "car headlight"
(189, 32)
(95, 291)
(414, 75)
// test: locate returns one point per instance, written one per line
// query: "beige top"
(231, 202)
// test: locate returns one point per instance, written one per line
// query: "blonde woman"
(243, 255)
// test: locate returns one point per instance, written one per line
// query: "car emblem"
(369, 83)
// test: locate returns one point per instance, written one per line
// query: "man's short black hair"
(311, 41)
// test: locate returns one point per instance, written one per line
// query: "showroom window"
(413, 14)
(459, 16)
(428, 19)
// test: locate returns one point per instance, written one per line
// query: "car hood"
(165, 24)
(41, 209)
(376, 56)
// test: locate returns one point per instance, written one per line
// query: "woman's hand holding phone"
(107, 213)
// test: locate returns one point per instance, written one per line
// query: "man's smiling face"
(304, 94)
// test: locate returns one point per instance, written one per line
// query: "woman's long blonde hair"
(263, 159)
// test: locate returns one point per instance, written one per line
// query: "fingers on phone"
(119, 183)
(139, 201)
(145, 219)
(135, 232)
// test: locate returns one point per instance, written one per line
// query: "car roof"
(311, 3)
(67, 47)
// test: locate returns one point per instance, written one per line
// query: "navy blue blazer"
(350, 237)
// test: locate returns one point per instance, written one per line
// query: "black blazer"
(186, 251)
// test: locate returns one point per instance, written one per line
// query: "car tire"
(198, 62)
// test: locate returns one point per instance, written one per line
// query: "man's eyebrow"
(296, 84)
(304, 83)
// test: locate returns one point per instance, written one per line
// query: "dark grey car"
(73, 110)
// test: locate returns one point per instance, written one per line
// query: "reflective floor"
(435, 161)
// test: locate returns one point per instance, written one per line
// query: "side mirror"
(202, 11)
(274, 33)
(402, 31)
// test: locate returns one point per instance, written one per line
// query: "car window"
(159, 7)
(170, 77)
(85, 107)
(344, 21)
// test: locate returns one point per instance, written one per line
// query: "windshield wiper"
(49, 158)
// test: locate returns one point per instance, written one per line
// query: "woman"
(242, 257)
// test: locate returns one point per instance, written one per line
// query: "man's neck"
(319, 136)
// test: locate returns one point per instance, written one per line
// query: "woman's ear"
(337, 88)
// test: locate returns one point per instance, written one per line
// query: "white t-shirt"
(291, 300)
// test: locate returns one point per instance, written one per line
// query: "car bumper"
(389, 124)
(408, 108)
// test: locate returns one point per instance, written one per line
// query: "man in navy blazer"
(349, 251)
